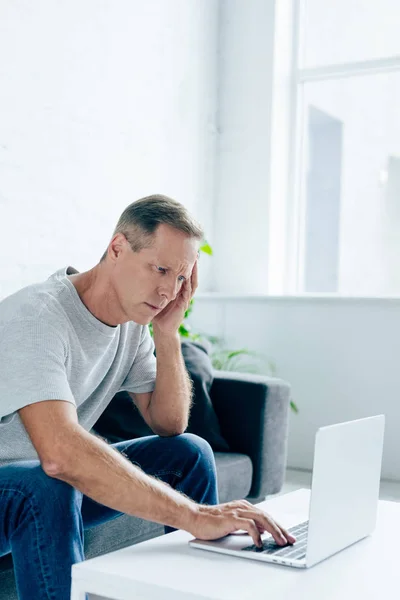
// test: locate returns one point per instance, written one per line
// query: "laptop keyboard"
(294, 551)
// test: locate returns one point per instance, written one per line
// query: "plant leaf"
(206, 248)
(183, 331)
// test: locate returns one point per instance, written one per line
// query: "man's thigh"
(26, 491)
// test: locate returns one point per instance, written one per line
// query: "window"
(346, 187)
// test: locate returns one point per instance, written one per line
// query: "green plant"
(223, 359)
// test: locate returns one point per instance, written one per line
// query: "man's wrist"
(162, 337)
(190, 517)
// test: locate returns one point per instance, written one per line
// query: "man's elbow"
(56, 469)
(173, 430)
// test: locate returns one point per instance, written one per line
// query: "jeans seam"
(167, 472)
(29, 499)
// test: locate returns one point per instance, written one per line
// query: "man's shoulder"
(37, 304)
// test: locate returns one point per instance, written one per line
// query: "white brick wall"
(101, 103)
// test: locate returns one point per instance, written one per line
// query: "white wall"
(339, 354)
(244, 119)
(101, 103)
(341, 357)
(369, 33)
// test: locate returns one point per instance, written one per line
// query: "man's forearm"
(106, 476)
(172, 397)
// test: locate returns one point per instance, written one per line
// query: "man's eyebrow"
(186, 274)
(164, 266)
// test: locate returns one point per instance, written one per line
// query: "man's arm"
(71, 454)
(166, 410)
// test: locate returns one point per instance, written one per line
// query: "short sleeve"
(142, 375)
(32, 365)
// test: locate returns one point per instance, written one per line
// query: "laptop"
(343, 503)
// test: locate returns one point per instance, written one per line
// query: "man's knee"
(190, 444)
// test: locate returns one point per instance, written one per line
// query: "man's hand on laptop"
(212, 522)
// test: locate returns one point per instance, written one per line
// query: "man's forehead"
(177, 263)
(173, 265)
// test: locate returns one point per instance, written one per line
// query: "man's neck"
(82, 284)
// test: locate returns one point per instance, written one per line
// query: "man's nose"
(169, 289)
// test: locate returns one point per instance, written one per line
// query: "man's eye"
(164, 270)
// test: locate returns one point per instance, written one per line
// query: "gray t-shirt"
(53, 348)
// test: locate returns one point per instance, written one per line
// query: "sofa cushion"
(119, 533)
(122, 421)
(235, 475)
(203, 420)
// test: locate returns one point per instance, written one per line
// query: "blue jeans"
(42, 519)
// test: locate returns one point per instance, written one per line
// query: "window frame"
(295, 201)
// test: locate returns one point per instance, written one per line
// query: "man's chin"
(142, 319)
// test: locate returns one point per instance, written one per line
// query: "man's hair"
(140, 220)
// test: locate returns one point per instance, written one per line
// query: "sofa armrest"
(253, 413)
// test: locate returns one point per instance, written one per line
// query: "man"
(67, 345)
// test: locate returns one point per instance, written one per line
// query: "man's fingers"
(290, 538)
(263, 521)
(187, 292)
(268, 524)
(249, 526)
(194, 280)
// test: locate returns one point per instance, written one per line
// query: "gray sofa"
(252, 411)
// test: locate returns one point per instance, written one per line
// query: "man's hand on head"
(169, 319)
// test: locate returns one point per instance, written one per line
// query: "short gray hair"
(140, 220)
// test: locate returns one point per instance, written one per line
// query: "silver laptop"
(343, 505)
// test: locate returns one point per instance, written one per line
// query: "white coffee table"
(166, 568)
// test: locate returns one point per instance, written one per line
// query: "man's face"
(154, 276)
